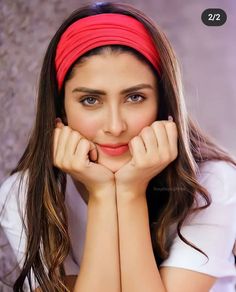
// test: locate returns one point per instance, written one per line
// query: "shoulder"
(13, 188)
(212, 229)
(219, 178)
(12, 208)
(217, 168)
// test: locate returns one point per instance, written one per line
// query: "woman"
(112, 138)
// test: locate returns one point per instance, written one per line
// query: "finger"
(56, 135)
(71, 143)
(150, 140)
(59, 123)
(93, 153)
(137, 148)
(82, 151)
(170, 118)
(162, 139)
(172, 133)
(62, 141)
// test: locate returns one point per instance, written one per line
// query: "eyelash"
(86, 98)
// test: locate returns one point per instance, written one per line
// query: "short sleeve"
(12, 206)
(12, 209)
(213, 229)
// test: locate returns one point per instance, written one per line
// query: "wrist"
(103, 195)
(130, 196)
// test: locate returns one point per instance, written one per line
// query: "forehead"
(113, 65)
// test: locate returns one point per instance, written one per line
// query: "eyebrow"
(101, 92)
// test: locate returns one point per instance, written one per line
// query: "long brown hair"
(46, 224)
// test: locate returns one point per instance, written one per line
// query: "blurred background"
(206, 54)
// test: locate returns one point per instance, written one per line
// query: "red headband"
(99, 30)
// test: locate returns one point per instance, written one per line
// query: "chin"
(114, 166)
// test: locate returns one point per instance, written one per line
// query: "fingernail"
(93, 154)
(58, 123)
(57, 120)
(170, 118)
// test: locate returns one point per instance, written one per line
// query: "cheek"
(141, 123)
(83, 123)
(143, 120)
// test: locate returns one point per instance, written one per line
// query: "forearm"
(139, 271)
(100, 268)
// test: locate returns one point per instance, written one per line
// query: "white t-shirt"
(213, 229)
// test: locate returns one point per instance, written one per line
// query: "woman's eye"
(89, 99)
(136, 99)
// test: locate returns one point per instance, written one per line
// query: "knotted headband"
(99, 30)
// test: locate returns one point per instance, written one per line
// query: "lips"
(115, 149)
(113, 145)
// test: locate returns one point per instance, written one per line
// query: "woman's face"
(117, 112)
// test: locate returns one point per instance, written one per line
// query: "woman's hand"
(71, 154)
(152, 150)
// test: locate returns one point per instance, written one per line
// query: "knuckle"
(57, 164)
(168, 157)
(66, 164)
(171, 125)
(165, 159)
(133, 140)
(86, 141)
(174, 155)
(56, 134)
(76, 165)
(67, 129)
(145, 130)
(75, 134)
(156, 123)
(157, 127)
(56, 160)
(56, 130)
(82, 139)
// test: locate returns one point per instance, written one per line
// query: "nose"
(115, 123)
